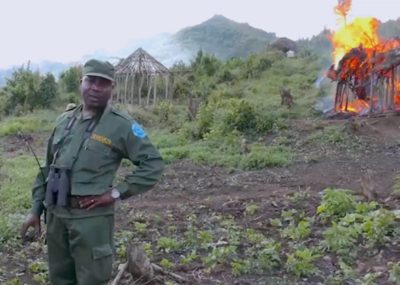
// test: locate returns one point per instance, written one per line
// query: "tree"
(22, 89)
(47, 91)
(26, 90)
(70, 79)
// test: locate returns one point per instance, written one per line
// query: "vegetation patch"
(38, 121)
(17, 176)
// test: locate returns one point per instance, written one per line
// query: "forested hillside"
(225, 38)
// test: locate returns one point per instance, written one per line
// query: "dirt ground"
(369, 170)
(186, 187)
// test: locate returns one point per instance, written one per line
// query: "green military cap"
(99, 68)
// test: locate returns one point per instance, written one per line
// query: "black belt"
(74, 201)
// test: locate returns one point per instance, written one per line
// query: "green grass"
(221, 151)
(17, 176)
(38, 121)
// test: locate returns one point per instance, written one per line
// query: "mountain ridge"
(224, 38)
(218, 35)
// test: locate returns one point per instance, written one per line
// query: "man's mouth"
(93, 98)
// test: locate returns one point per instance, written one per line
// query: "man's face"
(96, 91)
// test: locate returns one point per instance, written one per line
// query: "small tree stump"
(286, 98)
(139, 264)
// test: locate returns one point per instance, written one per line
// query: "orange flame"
(357, 106)
(343, 8)
(358, 51)
(361, 32)
(397, 96)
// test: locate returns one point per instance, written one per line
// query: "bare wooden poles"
(142, 80)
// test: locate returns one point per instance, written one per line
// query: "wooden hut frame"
(141, 79)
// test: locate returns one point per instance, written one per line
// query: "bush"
(336, 203)
(240, 116)
(262, 157)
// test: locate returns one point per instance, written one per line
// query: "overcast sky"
(65, 30)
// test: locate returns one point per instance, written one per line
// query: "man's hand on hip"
(91, 202)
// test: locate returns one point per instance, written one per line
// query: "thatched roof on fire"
(140, 62)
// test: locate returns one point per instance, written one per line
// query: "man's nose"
(96, 85)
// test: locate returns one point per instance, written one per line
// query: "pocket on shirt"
(97, 147)
(96, 155)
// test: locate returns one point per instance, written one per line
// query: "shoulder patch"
(138, 131)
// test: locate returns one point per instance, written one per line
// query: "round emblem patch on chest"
(138, 131)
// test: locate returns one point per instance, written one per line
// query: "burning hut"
(366, 69)
(365, 84)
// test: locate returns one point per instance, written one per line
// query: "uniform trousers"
(80, 250)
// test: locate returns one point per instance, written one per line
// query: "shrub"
(336, 203)
(341, 239)
(262, 157)
(301, 262)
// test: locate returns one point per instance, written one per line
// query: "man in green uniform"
(76, 185)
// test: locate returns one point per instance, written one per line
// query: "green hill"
(390, 29)
(224, 38)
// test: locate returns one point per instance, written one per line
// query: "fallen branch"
(121, 271)
(175, 276)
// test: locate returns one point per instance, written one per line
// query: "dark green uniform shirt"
(94, 158)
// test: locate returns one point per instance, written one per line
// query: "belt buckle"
(74, 202)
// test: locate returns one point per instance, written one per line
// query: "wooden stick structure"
(141, 79)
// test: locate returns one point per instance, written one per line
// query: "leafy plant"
(341, 239)
(299, 232)
(276, 222)
(336, 203)
(205, 238)
(254, 237)
(301, 262)
(251, 209)
(140, 228)
(220, 255)
(40, 272)
(240, 267)
(268, 255)
(377, 227)
(300, 196)
(189, 258)
(394, 272)
(168, 244)
(369, 279)
(165, 263)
